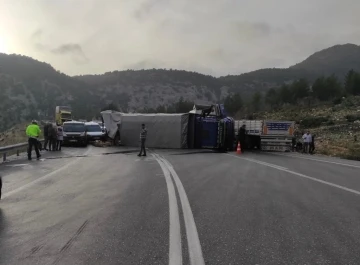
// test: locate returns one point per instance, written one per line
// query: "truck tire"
(116, 139)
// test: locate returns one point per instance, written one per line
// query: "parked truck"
(267, 135)
(63, 114)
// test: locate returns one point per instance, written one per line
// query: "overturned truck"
(203, 127)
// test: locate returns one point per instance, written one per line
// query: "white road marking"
(18, 165)
(319, 160)
(175, 250)
(195, 252)
(44, 177)
(297, 174)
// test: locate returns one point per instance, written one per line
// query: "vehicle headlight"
(83, 134)
(64, 134)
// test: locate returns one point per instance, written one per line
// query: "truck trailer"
(267, 135)
(203, 127)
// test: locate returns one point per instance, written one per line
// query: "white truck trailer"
(267, 135)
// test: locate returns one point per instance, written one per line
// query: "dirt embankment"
(336, 127)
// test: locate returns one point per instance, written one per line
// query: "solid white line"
(44, 177)
(319, 160)
(298, 174)
(194, 247)
(175, 250)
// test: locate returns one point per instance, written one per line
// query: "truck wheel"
(116, 139)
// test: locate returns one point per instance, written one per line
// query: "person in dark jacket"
(241, 137)
(46, 135)
(0, 186)
(312, 145)
(52, 134)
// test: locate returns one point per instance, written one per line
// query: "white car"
(94, 131)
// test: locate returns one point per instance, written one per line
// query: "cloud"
(212, 36)
(145, 8)
(72, 49)
(37, 34)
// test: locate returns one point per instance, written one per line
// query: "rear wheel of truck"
(116, 139)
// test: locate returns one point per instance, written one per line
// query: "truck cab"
(210, 127)
(63, 114)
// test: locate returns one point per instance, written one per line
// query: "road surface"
(108, 206)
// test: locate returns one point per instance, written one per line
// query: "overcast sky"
(217, 37)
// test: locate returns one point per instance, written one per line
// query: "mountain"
(31, 89)
(337, 59)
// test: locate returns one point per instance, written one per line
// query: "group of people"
(308, 143)
(54, 136)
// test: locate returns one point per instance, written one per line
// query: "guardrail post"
(4, 157)
(17, 152)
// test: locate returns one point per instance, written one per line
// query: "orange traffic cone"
(238, 150)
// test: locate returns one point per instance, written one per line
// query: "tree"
(327, 88)
(300, 89)
(183, 106)
(284, 94)
(352, 83)
(111, 106)
(233, 103)
(272, 97)
(319, 89)
(334, 88)
(256, 100)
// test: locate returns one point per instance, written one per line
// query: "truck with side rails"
(267, 135)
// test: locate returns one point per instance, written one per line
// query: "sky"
(216, 37)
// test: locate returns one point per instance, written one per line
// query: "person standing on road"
(0, 186)
(305, 143)
(312, 144)
(60, 137)
(33, 132)
(309, 140)
(143, 135)
(241, 137)
(46, 135)
(52, 137)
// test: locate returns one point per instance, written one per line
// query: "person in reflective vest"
(33, 132)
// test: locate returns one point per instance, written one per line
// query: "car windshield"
(93, 128)
(74, 127)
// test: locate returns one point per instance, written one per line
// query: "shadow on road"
(2, 225)
(94, 155)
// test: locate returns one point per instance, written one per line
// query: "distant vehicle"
(94, 131)
(75, 132)
(63, 114)
(268, 135)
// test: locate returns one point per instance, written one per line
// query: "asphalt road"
(108, 206)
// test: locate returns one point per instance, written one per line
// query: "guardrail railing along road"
(16, 147)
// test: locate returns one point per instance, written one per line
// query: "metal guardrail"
(16, 147)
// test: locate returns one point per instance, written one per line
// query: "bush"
(312, 122)
(330, 122)
(352, 117)
(337, 100)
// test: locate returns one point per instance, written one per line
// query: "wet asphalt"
(108, 206)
